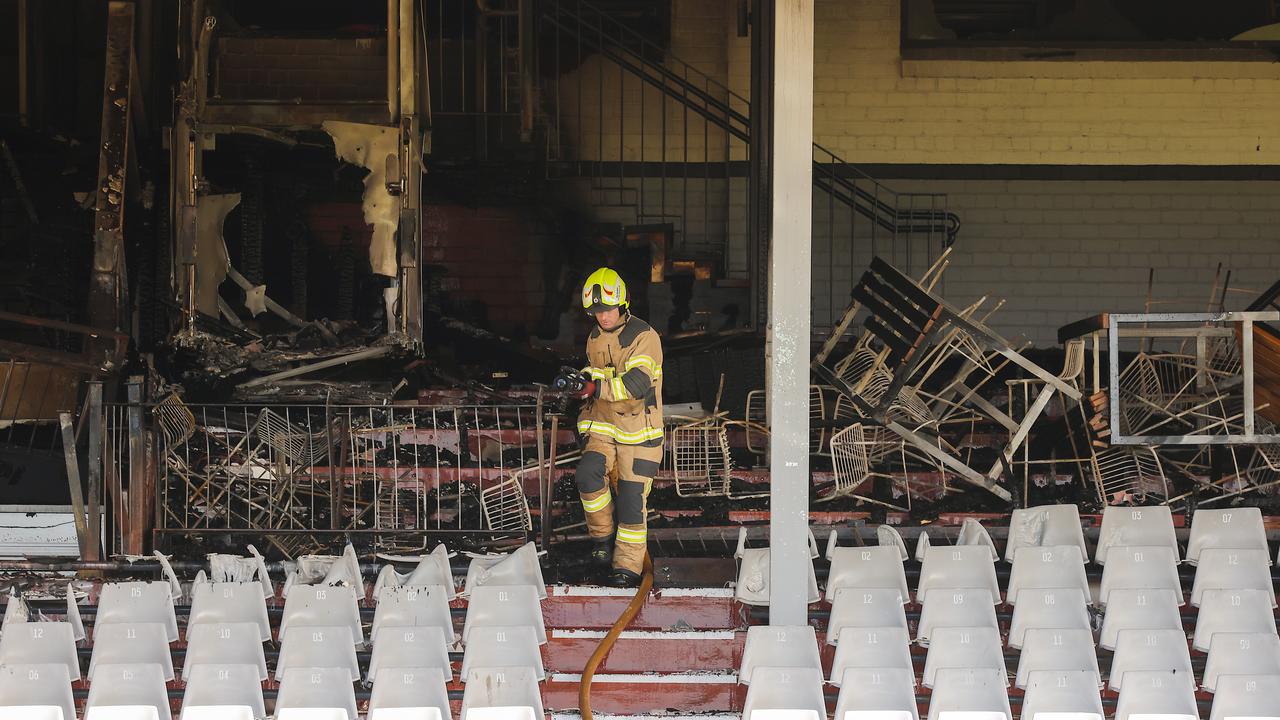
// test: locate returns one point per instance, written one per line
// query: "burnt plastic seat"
(1235, 529)
(224, 644)
(316, 694)
(323, 606)
(1246, 696)
(878, 566)
(1059, 566)
(785, 693)
(886, 647)
(415, 606)
(1048, 608)
(1044, 526)
(494, 646)
(409, 648)
(410, 693)
(1138, 610)
(517, 568)
(1057, 650)
(141, 643)
(1149, 695)
(222, 692)
(1140, 568)
(961, 647)
(1232, 611)
(1230, 569)
(502, 693)
(779, 646)
(229, 602)
(1240, 654)
(752, 585)
(1062, 695)
(1148, 651)
(961, 694)
(139, 602)
(504, 605)
(958, 566)
(955, 608)
(40, 643)
(432, 570)
(1135, 527)
(310, 647)
(36, 692)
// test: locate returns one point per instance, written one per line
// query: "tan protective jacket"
(626, 364)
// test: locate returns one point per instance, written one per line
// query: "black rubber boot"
(621, 578)
(602, 552)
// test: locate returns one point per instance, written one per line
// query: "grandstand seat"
(955, 608)
(504, 605)
(40, 643)
(139, 602)
(1131, 609)
(1240, 654)
(517, 568)
(878, 566)
(1153, 695)
(1059, 694)
(793, 689)
(409, 648)
(876, 694)
(494, 646)
(884, 647)
(1060, 566)
(128, 692)
(964, 694)
(410, 693)
(230, 692)
(1057, 650)
(1048, 608)
(132, 643)
(1246, 696)
(323, 606)
(1140, 568)
(224, 644)
(1232, 611)
(871, 607)
(779, 646)
(323, 693)
(949, 567)
(318, 646)
(1235, 528)
(417, 606)
(1133, 527)
(752, 584)
(1147, 650)
(36, 692)
(1230, 569)
(963, 647)
(502, 693)
(229, 602)
(1044, 526)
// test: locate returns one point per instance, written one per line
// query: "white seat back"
(955, 608)
(1135, 526)
(1237, 528)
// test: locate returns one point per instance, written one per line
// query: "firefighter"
(622, 423)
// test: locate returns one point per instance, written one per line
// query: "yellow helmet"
(604, 289)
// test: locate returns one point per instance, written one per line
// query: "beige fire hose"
(597, 657)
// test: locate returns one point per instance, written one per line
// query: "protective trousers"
(633, 466)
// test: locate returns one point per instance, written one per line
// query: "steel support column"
(791, 183)
(411, 128)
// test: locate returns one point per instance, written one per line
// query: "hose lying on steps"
(606, 644)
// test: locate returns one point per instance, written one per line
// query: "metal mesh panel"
(700, 460)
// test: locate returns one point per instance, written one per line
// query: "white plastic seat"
(517, 568)
(504, 605)
(30, 691)
(416, 606)
(961, 647)
(797, 690)
(1051, 694)
(215, 691)
(875, 607)
(1240, 654)
(502, 693)
(138, 602)
(40, 643)
(1058, 650)
(1148, 651)
(1130, 609)
(397, 689)
(876, 694)
(1140, 567)
(1246, 696)
(323, 606)
(949, 567)
(1060, 566)
(1232, 611)
(779, 646)
(127, 691)
(877, 566)
(229, 602)
(955, 608)
(1157, 696)
(139, 643)
(409, 648)
(432, 570)
(1237, 528)
(1044, 526)
(317, 647)
(969, 695)
(883, 647)
(1048, 608)
(493, 646)
(752, 585)
(1228, 569)
(225, 644)
(1134, 527)
(316, 694)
